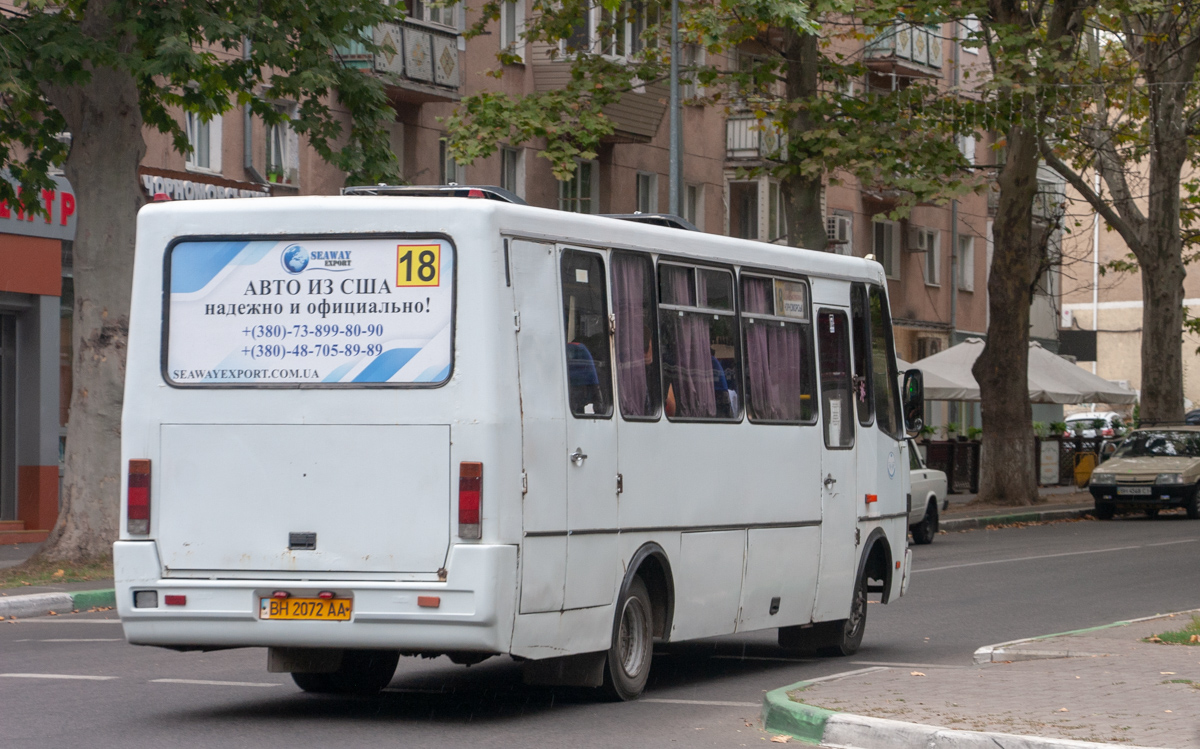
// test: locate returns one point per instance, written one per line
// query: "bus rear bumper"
(474, 611)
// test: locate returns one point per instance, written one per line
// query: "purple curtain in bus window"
(772, 358)
(629, 289)
(693, 375)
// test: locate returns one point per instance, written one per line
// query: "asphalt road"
(969, 589)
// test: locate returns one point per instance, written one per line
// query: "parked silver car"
(928, 491)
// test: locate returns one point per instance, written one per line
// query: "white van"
(364, 426)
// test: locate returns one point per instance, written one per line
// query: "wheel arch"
(876, 561)
(650, 562)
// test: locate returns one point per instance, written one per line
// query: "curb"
(40, 604)
(966, 524)
(1001, 651)
(816, 725)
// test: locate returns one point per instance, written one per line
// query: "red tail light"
(137, 512)
(470, 499)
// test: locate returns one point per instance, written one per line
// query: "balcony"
(751, 138)
(425, 67)
(905, 49)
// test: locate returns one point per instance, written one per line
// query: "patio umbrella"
(1092, 389)
(1052, 379)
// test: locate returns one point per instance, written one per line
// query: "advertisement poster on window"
(321, 311)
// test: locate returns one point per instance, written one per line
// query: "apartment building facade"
(936, 260)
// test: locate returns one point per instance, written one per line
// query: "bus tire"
(844, 636)
(628, 663)
(361, 672)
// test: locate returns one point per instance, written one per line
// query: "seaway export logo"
(297, 258)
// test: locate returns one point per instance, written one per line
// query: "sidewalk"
(1058, 503)
(1112, 688)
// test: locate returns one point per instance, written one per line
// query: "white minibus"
(412, 423)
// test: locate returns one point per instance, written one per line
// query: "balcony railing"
(906, 43)
(752, 138)
(425, 58)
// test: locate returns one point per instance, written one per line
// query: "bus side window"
(638, 383)
(883, 357)
(778, 348)
(863, 401)
(833, 343)
(585, 318)
(699, 336)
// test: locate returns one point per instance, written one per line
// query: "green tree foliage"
(1134, 121)
(79, 82)
(789, 75)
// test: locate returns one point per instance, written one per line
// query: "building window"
(512, 170)
(647, 192)
(446, 15)
(968, 30)
(884, 247)
(283, 159)
(693, 205)
(620, 35)
(578, 194)
(451, 172)
(928, 242)
(204, 137)
(743, 210)
(512, 27)
(966, 263)
(966, 144)
(692, 57)
(776, 219)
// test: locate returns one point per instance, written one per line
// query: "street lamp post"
(676, 124)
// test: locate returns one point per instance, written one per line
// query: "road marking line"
(217, 683)
(59, 676)
(763, 658)
(903, 665)
(1052, 556)
(80, 639)
(718, 703)
(845, 674)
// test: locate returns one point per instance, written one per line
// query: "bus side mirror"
(914, 400)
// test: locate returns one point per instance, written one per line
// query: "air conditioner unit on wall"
(837, 229)
(917, 239)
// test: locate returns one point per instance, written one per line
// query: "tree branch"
(1127, 231)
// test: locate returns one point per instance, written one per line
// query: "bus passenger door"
(590, 458)
(870, 440)
(543, 425)
(839, 508)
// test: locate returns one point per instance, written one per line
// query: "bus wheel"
(361, 672)
(628, 665)
(844, 637)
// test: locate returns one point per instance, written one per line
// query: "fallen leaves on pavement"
(916, 673)
(780, 739)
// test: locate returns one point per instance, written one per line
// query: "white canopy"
(1052, 379)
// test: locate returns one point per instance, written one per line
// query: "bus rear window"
(323, 312)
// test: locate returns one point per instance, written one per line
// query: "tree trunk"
(801, 193)
(1007, 475)
(1161, 258)
(106, 148)
(1162, 274)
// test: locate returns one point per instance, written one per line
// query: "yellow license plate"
(314, 609)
